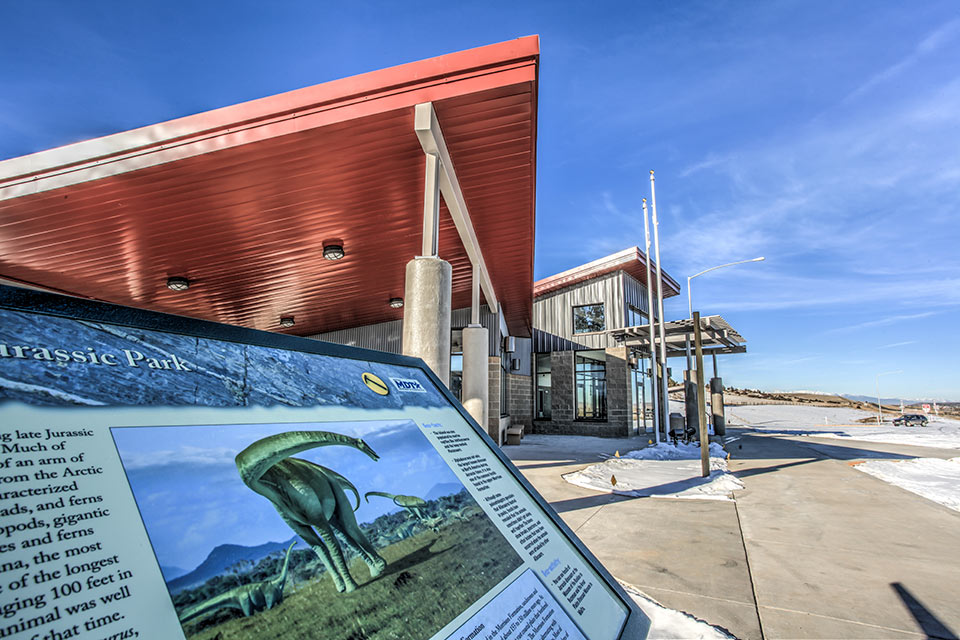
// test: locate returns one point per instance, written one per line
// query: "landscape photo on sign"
(238, 517)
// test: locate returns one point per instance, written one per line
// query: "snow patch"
(679, 451)
(932, 478)
(842, 423)
(661, 471)
(670, 624)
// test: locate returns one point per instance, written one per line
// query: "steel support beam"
(431, 207)
(431, 140)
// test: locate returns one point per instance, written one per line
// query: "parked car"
(911, 420)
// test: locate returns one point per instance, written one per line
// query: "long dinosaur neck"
(382, 494)
(225, 599)
(254, 461)
(279, 581)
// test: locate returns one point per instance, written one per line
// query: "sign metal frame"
(636, 625)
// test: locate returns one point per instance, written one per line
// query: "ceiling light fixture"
(287, 322)
(396, 303)
(333, 249)
(178, 283)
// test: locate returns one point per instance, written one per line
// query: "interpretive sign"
(162, 477)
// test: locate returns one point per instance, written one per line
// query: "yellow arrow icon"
(375, 384)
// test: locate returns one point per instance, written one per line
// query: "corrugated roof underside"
(247, 224)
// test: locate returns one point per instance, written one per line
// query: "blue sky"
(822, 135)
(165, 465)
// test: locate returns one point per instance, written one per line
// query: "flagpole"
(665, 394)
(653, 339)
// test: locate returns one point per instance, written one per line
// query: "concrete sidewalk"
(811, 548)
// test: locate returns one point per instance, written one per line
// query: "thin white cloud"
(929, 44)
(898, 344)
(193, 456)
(882, 322)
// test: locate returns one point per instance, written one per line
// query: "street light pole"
(690, 294)
(720, 266)
(654, 389)
(664, 378)
(880, 406)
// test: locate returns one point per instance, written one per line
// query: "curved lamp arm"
(719, 266)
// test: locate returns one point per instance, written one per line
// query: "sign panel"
(168, 478)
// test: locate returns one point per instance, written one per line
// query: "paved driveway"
(811, 548)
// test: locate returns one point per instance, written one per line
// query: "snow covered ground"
(827, 422)
(661, 471)
(669, 624)
(932, 478)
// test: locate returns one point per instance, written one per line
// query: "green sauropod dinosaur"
(311, 498)
(249, 598)
(413, 504)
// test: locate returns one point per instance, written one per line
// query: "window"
(635, 317)
(504, 383)
(590, 373)
(543, 386)
(588, 318)
(456, 363)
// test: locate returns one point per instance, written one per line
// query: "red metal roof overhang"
(630, 260)
(240, 199)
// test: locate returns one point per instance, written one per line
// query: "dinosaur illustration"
(249, 598)
(413, 504)
(310, 498)
(468, 512)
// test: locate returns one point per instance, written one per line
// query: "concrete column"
(716, 406)
(690, 399)
(476, 375)
(426, 313)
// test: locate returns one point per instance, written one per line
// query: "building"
(401, 201)
(587, 382)
(394, 210)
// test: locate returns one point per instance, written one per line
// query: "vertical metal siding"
(384, 336)
(523, 354)
(388, 336)
(460, 318)
(634, 293)
(553, 313)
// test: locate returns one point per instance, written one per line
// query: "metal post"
(879, 406)
(431, 207)
(653, 338)
(663, 339)
(475, 297)
(701, 405)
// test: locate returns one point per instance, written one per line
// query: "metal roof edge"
(597, 268)
(525, 50)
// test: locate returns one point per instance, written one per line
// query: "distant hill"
(169, 573)
(224, 557)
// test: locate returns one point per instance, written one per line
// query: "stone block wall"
(563, 401)
(493, 409)
(520, 400)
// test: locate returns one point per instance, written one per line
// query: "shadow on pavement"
(745, 473)
(930, 624)
(774, 447)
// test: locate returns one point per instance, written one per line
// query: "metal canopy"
(240, 200)
(716, 333)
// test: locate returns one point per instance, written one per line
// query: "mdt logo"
(405, 384)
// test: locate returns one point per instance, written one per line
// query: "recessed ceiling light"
(396, 303)
(333, 250)
(287, 322)
(178, 283)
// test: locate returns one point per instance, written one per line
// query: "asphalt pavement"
(810, 548)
